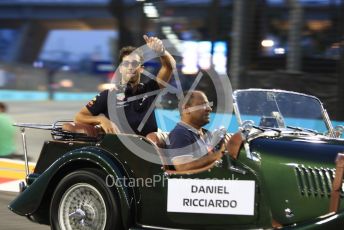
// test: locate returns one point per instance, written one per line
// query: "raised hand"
(155, 44)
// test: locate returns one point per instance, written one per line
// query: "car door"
(227, 194)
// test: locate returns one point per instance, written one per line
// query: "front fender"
(329, 221)
(29, 201)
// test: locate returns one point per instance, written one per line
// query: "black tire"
(83, 201)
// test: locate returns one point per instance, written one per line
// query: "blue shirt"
(185, 140)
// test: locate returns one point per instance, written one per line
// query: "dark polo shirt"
(134, 104)
(185, 140)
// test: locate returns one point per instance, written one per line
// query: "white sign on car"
(232, 197)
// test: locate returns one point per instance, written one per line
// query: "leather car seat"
(89, 130)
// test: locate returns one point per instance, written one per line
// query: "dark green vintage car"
(283, 175)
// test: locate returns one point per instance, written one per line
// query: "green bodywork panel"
(274, 170)
(296, 177)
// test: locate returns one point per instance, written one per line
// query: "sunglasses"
(134, 63)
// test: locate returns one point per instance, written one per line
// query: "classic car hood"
(298, 174)
(306, 149)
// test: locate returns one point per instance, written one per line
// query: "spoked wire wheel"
(82, 200)
(82, 207)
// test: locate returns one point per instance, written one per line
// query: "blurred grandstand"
(287, 44)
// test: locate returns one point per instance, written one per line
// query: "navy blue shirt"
(185, 140)
(132, 105)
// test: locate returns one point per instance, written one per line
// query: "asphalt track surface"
(45, 112)
(11, 221)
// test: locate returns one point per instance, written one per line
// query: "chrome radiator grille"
(315, 182)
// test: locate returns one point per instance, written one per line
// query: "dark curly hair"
(127, 50)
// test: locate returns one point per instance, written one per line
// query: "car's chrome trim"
(314, 182)
(162, 228)
(328, 122)
(275, 90)
(22, 130)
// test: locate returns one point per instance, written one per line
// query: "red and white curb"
(11, 173)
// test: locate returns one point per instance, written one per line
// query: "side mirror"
(338, 131)
(247, 125)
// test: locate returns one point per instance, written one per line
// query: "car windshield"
(280, 109)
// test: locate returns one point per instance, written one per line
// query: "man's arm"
(167, 61)
(188, 162)
(167, 65)
(85, 116)
(180, 165)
